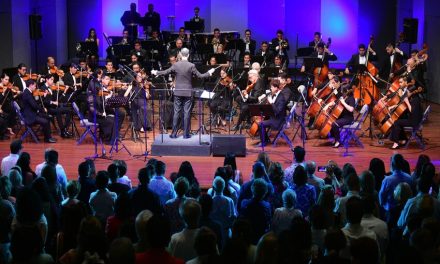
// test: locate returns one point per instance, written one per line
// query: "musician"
(151, 20)
(317, 38)
(183, 91)
(72, 85)
(125, 38)
(245, 98)
(280, 46)
(52, 100)
(91, 37)
(286, 90)
(130, 20)
(415, 72)
(392, 62)
(415, 114)
(179, 45)
(138, 94)
(111, 71)
(140, 53)
(316, 90)
(265, 53)
(278, 63)
(34, 113)
(346, 116)
(200, 21)
(360, 58)
(222, 100)
(322, 53)
(96, 102)
(246, 61)
(278, 102)
(7, 112)
(51, 68)
(18, 79)
(248, 45)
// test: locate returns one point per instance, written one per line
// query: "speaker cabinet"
(222, 144)
(35, 27)
(410, 30)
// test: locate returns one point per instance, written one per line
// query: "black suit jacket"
(279, 109)
(386, 67)
(268, 56)
(17, 82)
(252, 46)
(256, 92)
(354, 60)
(327, 57)
(153, 20)
(68, 79)
(30, 107)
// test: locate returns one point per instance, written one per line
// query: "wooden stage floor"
(318, 150)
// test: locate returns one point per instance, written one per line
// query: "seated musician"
(222, 100)
(8, 95)
(278, 63)
(51, 68)
(316, 90)
(246, 64)
(34, 113)
(360, 58)
(125, 38)
(346, 116)
(97, 94)
(52, 100)
(265, 53)
(278, 102)
(322, 53)
(18, 79)
(179, 45)
(216, 41)
(138, 94)
(414, 114)
(182, 35)
(280, 46)
(249, 96)
(84, 75)
(140, 53)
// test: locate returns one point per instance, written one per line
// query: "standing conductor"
(184, 70)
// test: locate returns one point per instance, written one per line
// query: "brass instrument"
(284, 44)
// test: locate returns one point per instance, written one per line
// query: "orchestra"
(391, 88)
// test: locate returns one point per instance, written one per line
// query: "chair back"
(78, 113)
(18, 111)
(425, 116)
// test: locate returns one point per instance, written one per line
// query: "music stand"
(313, 62)
(304, 52)
(193, 26)
(258, 58)
(202, 129)
(115, 104)
(270, 72)
(262, 110)
(89, 48)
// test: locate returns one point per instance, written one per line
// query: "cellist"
(346, 117)
(415, 114)
(323, 53)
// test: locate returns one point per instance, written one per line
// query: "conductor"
(183, 70)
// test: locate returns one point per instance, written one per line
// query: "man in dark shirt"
(143, 198)
(130, 20)
(151, 20)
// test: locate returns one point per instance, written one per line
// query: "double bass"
(319, 73)
(367, 90)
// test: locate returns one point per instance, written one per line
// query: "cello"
(398, 111)
(332, 115)
(319, 73)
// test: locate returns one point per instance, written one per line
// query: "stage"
(318, 150)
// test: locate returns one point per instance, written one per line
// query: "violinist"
(96, 102)
(414, 114)
(71, 83)
(322, 53)
(360, 58)
(7, 112)
(18, 79)
(392, 62)
(248, 96)
(138, 94)
(222, 100)
(280, 46)
(52, 100)
(278, 102)
(346, 116)
(50, 68)
(34, 113)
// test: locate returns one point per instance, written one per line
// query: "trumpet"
(284, 44)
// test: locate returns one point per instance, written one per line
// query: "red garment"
(158, 255)
(113, 227)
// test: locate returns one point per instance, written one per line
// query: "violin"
(84, 74)
(60, 87)
(38, 92)
(32, 76)
(226, 81)
(57, 71)
(9, 87)
(104, 93)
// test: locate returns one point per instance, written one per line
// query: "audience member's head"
(186, 170)
(267, 249)
(259, 170)
(326, 197)
(144, 175)
(367, 182)
(29, 209)
(218, 185)
(91, 237)
(242, 229)
(310, 167)
(369, 204)
(26, 243)
(377, 167)
(299, 176)
(299, 153)
(102, 180)
(190, 212)
(141, 225)
(364, 251)
(16, 146)
(397, 162)
(122, 167)
(123, 206)
(160, 168)
(354, 210)
(205, 201)
(5, 187)
(15, 177)
(259, 189)
(51, 156)
(50, 174)
(352, 181)
(263, 157)
(84, 169)
(205, 242)
(230, 160)
(113, 172)
(181, 186)
(73, 188)
(42, 188)
(402, 193)
(276, 173)
(121, 251)
(24, 162)
(289, 198)
(158, 232)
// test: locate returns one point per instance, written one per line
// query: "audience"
(299, 155)
(9, 161)
(160, 185)
(380, 218)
